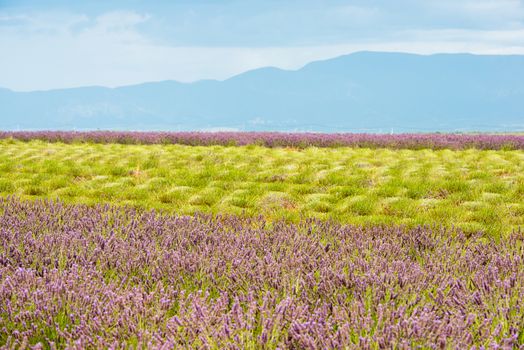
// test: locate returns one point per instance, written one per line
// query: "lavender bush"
(276, 139)
(87, 277)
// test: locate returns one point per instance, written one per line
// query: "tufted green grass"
(471, 189)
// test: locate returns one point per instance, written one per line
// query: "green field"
(471, 189)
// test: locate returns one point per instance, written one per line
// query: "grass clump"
(351, 185)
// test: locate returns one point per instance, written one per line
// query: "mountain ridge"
(361, 91)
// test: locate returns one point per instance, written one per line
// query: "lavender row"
(277, 139)
(90, 277)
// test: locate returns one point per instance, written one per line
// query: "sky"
(52, 44)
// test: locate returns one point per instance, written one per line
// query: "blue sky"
(60, 44)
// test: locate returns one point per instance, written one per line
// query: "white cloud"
(496, 39)
(503, 13)
(492, 8)
(120, 19)
(43, 24)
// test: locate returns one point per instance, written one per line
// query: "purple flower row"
(277, 139)
(91, 277)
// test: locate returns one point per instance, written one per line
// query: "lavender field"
(86, 277)
(290, 241)
(279, 139)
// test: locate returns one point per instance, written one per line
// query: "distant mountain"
(366, 91)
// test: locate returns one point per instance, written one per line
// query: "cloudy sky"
(46, 44)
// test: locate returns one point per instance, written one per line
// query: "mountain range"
(360, 92)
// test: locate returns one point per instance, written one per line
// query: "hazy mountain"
(359, 92)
